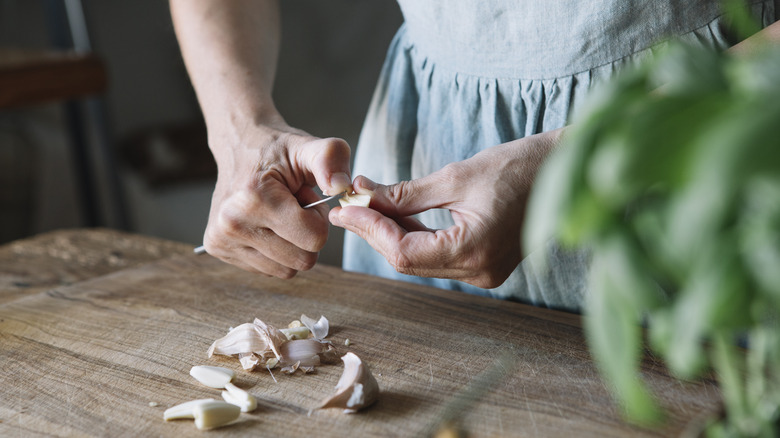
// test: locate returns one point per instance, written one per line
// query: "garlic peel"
(213, 377)
(319, 329)
(211, 414)
(356, 389)
(183, 410)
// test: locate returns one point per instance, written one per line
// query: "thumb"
(405, 198)
(327, 160)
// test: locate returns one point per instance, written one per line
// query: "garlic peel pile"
(356, 389)
(259, 344)
(254, 342)
(213, 377)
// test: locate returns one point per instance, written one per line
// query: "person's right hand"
(265, 174)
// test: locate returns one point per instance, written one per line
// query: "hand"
(486, 196)
(256, 221)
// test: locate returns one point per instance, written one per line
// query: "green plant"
(677, 193)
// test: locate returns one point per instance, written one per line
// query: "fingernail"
(339, 182)
(366, 185)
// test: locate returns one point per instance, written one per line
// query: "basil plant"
(670, 177)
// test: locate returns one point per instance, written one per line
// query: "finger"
(327, 159)
(423, 253)
(407, 223)
(252, 261)
(306, 229)
(407, 197)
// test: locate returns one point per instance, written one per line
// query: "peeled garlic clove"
(355, 200)
(213, 377)
(319, 329)
(296, 332)
(184, 410)
(237, 396)
(211, 414)
(356, 388)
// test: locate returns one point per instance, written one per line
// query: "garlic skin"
(319, 329)
(211, 414)
(184, 410)
(237, 396)
(356, 389)
(254, 342)
(213, 377)
(355, 200)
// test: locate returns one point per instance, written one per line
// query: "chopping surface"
(106, 356)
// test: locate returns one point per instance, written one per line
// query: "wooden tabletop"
(100, 343)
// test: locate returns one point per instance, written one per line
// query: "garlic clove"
(296, 332)
(356, 389)
(319, 329)
(237, 396)
(355, 200)
(184, 410)
(213, 377)
(211, 414)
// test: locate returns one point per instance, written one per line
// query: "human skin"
(267, 168)
(486, 195)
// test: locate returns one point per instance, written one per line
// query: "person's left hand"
(485, 194)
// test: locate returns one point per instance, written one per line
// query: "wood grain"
(86, 359)
(64, 257)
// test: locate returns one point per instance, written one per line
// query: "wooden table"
(99, 330)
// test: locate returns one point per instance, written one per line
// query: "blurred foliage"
(671, 175)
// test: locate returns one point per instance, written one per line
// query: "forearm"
(230, 49)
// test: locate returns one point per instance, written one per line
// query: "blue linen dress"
(464, 75)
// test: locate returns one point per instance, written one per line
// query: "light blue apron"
(464, 75)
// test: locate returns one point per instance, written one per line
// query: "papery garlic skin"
(213, 377)
(237, 396)
(209, 415)
(319, 329)
(356, 389)
(184, 410)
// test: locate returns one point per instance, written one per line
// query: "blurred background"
(145, 166)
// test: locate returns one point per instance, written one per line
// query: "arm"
(265, 167)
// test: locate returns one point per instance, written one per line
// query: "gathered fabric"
(462, 76)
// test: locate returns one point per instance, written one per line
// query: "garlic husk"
(183, 410)
(213, 377)
(254, 342)
(237, 396)
(355, 200)
(319, 329)
(305, 352)
(211, 414)
(356, 389)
